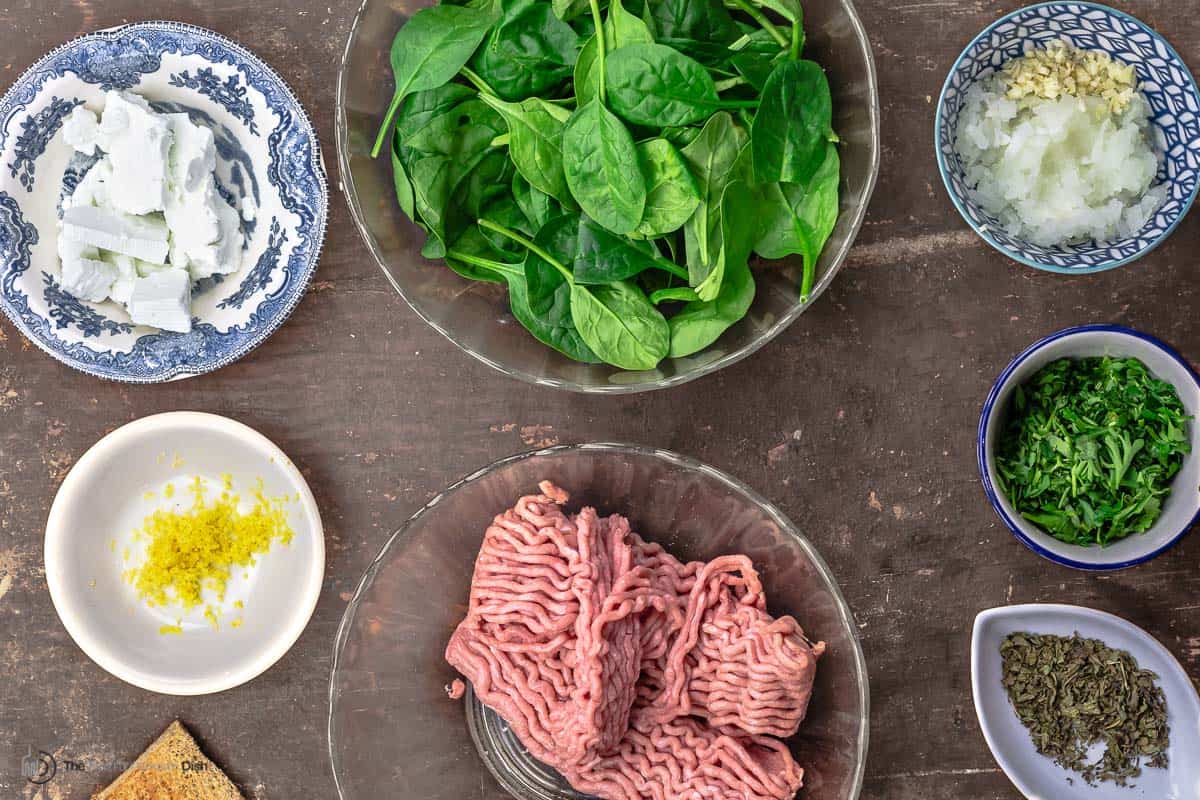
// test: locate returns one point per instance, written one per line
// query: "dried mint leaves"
(1072, 693)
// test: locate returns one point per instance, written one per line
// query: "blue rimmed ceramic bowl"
(1165, 81)
(267, 154)
(1181, 509)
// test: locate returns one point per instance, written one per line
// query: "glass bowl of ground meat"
(622, 622)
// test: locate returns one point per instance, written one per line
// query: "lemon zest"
(197, 548)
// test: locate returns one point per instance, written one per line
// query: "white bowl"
(106, 496)
(1036, 776)
(1182, 508)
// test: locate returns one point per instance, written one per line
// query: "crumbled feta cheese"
(113, 242)
(87, 278)
(140, 237)
(163, 300)
(93, 187)
(223, 255)
(137, 143)
(194, 221)
(193, 156)
(81, 129)
(128, 271)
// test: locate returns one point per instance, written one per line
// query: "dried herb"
(1090, 449)
(1073, 693)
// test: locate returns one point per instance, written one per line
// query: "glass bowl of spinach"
(1088, 447)
(608, 236)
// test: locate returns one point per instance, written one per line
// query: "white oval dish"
(1180, 511)
(1036, 776)
(108, 493)
(268, 160)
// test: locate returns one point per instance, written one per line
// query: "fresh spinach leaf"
(535, 143)
(671, 193)
(528, 51)
(691, 20)
(429, 50)
(601, 167)
(701, 322)
(792, 124)
(655, 85)
(604, 257)
(755, 67)
(551, 322)
(567, 10)
(537, 206)
(620, 325)
(799, 218)
(546, 266)
(620, 29)
(420, 108)
(714, 158)
(401, 183)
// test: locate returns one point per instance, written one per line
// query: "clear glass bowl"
(394, 733)
(475, 315)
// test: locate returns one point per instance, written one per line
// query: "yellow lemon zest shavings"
(175, 629)
(237, 623)
(198, 548)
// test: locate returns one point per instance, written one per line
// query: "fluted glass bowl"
(475, 316)
(394, 733)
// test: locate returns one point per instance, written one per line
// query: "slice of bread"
(173, 768)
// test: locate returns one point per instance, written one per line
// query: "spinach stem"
(670, 266)
(806, 279)
(794, 50)
(386, 128)
(501, 140)
(601, 47)
(477, 81)
(762, 20)
(486, 263)
(729, 83)
(738, 104)
(529, 245)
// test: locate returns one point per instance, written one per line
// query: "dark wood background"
(859, 422)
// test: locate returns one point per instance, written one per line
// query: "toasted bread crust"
(173, 768)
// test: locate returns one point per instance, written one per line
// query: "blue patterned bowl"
(1166, 83)
(267, 153)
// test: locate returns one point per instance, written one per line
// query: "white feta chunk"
(139, 237)
(221, 256)
(87, 278)
(138, 143)
(128, 271)
(163, 300)
(81, 130)
(93, 187)
(194, 220)
(193, 156)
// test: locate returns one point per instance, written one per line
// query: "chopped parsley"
(1090, 447)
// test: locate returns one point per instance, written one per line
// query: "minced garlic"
(197, 549)
(1062, 70)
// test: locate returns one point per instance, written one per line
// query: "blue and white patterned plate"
(267, 152)
(1166, 83)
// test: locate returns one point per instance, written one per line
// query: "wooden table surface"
(859, 422)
